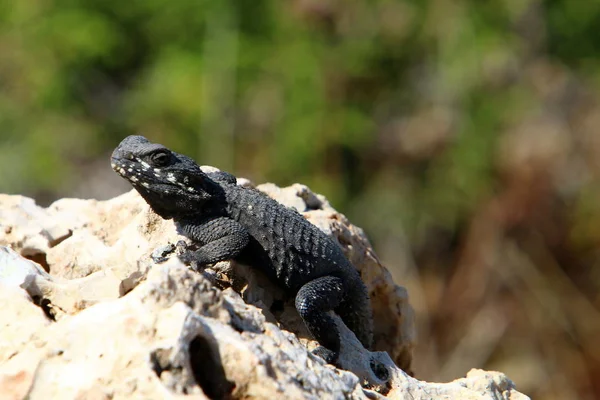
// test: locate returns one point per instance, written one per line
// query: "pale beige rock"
(21, 321)
(173, 320)
(59, 296)
(80, 359)
(126, 327)
(175, 334)
(77, 257)
(27, 227)
(16, 271)
(477, 385)
(118, 232)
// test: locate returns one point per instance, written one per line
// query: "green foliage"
(286, 91)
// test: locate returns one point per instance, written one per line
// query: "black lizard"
(232, 222)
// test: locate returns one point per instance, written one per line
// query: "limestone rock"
(95, 316)
(176, 334)
(20, 320)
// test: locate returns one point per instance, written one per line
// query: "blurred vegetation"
(461, 134)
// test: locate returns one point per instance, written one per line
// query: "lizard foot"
(160, 255)
(188, 259)
(187, 254)
(326, 354)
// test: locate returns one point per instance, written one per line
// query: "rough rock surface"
(95, 316)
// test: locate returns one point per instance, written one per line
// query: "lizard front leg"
(220, 239)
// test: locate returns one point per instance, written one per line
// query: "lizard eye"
(161, 158)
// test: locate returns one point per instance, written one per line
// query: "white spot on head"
(129, 170)
(133, 179)
(190, 189)
(145, 165)
(171, 177)
(145, 184)
(157, 170)
(113, 165)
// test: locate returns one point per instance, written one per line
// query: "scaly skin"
(232, 222)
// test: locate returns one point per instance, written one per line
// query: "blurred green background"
(462, 135)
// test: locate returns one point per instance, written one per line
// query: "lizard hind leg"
(313, 301)
(355, 311)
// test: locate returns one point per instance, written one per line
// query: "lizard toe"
(188, 259)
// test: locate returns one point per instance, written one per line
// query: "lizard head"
(171, 183)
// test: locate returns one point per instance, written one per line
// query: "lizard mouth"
(146, 178)
(138, 172)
